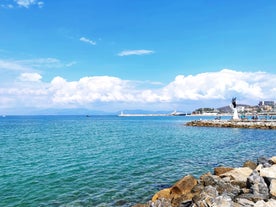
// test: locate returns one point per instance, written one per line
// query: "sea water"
(112, 161)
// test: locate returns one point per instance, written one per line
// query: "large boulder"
(206, 197)
(222, 186)
(165, 193)
(268, 172)
(221, 170)
(238, 176)
(257, 186)
(184, 185)
(264, 161)
(179, 192)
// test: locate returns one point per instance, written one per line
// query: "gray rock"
(244, 202)
(264, 161)
(206, 197)
(223, 201)
(257, 186)
(222, 186)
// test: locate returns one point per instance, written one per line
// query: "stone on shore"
(238, 176)
(247, 186)
(220, 170)
(272, 188)
(273, 159)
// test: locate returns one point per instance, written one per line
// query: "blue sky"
(113, 55)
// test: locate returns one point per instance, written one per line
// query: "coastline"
(252, 185)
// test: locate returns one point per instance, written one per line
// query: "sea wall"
(234, 124)
(252, 185)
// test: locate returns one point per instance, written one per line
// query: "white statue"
(235, 111)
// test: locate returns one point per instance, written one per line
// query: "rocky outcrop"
(234, 124)
(253, 185)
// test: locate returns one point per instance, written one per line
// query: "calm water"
(112, 161)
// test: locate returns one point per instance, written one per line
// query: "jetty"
(254, 124)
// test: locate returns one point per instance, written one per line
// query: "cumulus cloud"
(205, 86)
(84, 39)
(135, 52)
(32, 77)
(90, 89)
(213, 87)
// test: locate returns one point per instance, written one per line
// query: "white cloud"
(221, 85)
(135, 52)
(89, 89)
(212, 87)
(32, 77)
(28, 3)
(13, 66)
(84, 39)
(45, 63)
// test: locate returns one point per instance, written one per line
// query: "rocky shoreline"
(252, 185)
(262, 124)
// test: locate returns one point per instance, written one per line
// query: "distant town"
(262, 108)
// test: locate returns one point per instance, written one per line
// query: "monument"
(233, 106)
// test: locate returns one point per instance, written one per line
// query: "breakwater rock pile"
(252, 185)
(234, 124)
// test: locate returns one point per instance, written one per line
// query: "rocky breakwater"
(253, 185)
(234, 124)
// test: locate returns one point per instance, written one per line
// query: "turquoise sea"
(112, 161)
